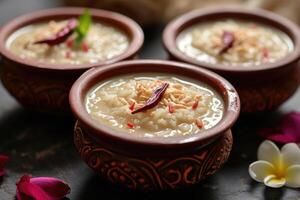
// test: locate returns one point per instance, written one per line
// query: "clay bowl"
(45, 87)
(261, 88)
(152, 163)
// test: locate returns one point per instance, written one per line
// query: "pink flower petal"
(3, 162)
(288, 130)
(29, 191)
(52, 186)
(291, 124)
(41, 188)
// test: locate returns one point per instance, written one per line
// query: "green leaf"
(83, 27)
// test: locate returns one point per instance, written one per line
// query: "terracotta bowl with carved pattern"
(160, 162)
(261, 87)
(45, 87)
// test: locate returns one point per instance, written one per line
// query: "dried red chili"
(62, 35)
(265, 52)
(85, 47)
(196, 103)
(154, 99)
(130, 125)
(70, 43)
(171, 108)
(131, 107)
(228, 40)
(199, 123)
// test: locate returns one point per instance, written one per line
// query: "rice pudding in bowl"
(185, 107)
(234, 42)
(103, 42)
(129, 121)
(257, 51)
(44, 52)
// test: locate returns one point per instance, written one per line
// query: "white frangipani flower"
(277, 168)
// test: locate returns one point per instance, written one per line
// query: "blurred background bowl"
(261, 87)
(45, 87)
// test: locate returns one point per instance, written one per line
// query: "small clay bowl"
(153, 163)
(45, 87)
(261, 88)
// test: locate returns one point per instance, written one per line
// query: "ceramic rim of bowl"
(174, 28)
(96, 75)
(126, 24)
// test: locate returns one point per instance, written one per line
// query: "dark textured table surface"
(43, 145)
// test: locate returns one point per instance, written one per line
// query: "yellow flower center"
(278, 176)
(280, 168)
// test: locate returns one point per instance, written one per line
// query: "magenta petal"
(55, 188)
(43, 188)
(3, 162)
(291, 125)
(280, 137)
(287, 131)
(29, 191)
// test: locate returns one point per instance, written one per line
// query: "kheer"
(234, 42)
(103, 42)
(186, 107)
